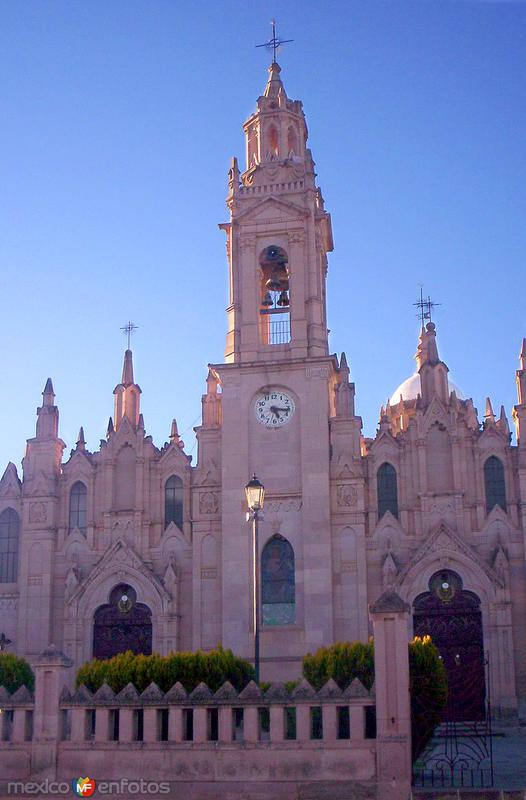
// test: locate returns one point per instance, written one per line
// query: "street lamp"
(255, 493)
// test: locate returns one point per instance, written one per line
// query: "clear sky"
(118, 122)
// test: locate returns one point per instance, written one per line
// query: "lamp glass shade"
(255, 493)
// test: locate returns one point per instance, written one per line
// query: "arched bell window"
(494, 484)
(273, 141)
(292, 141)
(173, 501)
(278, 582)
(9, 541)
(78, 505)
(274, 306)
(387, 489)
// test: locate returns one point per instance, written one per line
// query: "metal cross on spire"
(128, 330)
(274, 43)
(425, 305)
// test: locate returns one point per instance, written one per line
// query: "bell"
(273, 284)
(267, 300)
(283, 299)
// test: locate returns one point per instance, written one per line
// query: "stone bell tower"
(278, 237)
(278, 392)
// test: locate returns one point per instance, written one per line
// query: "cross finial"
(274, 43)
(425, 306)
(128, 330)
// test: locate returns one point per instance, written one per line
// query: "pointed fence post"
(389, 615)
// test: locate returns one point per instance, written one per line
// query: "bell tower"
(280, 391)
(277, 238)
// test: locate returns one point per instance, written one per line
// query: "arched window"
(173, 501)
(78, 507)
(278, 585)
(273, 140)
(9, 536)
(387, 490)
(275, 296)
(292, 142)
(494, 484)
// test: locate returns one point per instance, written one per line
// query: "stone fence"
(279, 744)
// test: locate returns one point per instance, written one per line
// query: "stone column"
(389, 616)
(277, 723)
(357, 721)
(303, 722)
(50, 669)
(250, 724)
(200, 724)
(150, 725)
(78, 724)
(330, 722)
(225, 723)
(175, 724)
(102, 724)
(126, 725)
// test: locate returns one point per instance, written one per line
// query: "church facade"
(133, 547)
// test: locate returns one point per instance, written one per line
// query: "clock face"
(274, 408)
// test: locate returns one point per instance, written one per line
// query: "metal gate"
(459, 752)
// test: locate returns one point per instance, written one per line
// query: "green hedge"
(345, 661)
(15, 672)
(213, 668)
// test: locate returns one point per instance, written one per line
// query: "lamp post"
(255, 493)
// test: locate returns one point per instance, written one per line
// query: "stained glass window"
(9, 535)
(78, 507)
(387, 490)
(494, 483)
(278, 591)
(173, 501)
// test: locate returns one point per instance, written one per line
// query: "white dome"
(410, 388)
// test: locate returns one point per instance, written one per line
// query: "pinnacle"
(127, 369)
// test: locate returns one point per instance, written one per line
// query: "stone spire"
(489, 416)
(47, 414)
(44, 451)
(521, 375)
(427, 350)
(81, 441)
(519, 411)
(127, 369)
(433, 371)
(274, 87)
(127, 395)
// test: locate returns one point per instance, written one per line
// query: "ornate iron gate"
(459, 753)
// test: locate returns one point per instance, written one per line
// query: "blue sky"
(118, 121)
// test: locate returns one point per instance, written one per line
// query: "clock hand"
(277, 408)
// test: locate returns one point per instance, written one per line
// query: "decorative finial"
(128, 330)
(424, 307)
(274, 43)
(4, 642)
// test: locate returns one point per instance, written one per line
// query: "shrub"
(15, 672)
(342, 661)
(428, 687)
(213, 668)
(345, 661)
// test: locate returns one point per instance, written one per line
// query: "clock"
(274, 408)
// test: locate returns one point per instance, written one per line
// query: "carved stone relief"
(37, 512)
(347, 495)
(208, 503)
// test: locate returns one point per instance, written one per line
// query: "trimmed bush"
(345, 661)
(342, 661)
(15, 672)
(428, 687)
(213, 668)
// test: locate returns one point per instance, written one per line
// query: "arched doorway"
(122, 624)
(453, 619)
